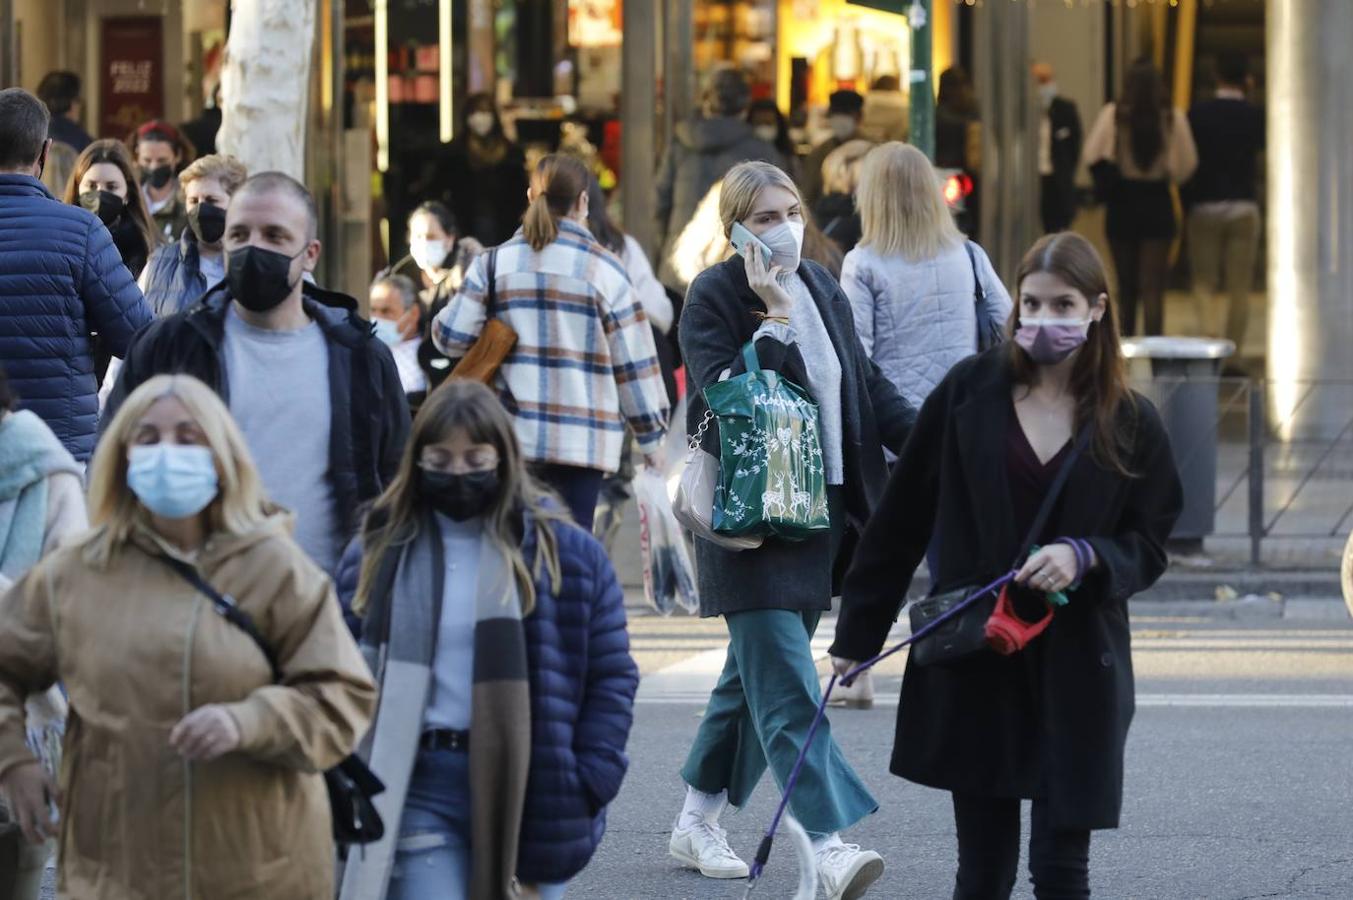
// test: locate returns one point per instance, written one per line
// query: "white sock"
(701, 806)
(824, 843)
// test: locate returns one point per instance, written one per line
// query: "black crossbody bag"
(351, 784)
(966, 633)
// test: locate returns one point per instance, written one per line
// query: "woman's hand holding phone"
(761, 276)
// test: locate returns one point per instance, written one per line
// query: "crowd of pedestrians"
(395, 499)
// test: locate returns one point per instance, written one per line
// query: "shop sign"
(132, 74)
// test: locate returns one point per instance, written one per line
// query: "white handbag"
(694, 502)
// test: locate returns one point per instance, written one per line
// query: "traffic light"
(957, 188)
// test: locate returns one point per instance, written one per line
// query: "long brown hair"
(398, 514)
(1143, 112)
(1099, 375)
(556, 185)
(114, 153)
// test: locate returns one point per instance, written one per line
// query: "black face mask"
(159, 176)
(104, 204)
(207, 222)
(462, 496)
(259, 279)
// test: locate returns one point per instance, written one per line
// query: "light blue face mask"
(175, 481)
(387, 331)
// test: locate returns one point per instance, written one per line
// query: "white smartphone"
(741, 239)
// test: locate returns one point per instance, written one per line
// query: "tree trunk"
(265, 84)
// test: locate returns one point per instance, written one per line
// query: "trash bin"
(1183, 374)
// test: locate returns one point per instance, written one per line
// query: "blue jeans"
(432, 859)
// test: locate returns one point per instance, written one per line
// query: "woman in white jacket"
(913, 280)
(42, 502)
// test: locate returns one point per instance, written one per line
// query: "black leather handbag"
(965, 634)
(351, 784)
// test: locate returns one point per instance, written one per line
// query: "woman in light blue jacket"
(920, 291)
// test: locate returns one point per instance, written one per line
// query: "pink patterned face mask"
(1048, 341)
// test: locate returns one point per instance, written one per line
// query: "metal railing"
(1290, 447)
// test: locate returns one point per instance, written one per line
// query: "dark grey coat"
(716, 322)
(1051, 721)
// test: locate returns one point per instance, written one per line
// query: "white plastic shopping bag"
(669, 577)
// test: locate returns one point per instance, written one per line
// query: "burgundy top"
(1029, 481)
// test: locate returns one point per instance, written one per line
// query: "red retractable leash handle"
(763, 851)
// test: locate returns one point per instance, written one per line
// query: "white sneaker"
(846, 872)
(704, 846)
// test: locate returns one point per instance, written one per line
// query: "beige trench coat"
(137, 648)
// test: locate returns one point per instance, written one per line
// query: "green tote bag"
(772, 481)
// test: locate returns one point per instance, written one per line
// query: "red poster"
(132, 76)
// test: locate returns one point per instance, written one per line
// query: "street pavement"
(1238, 785)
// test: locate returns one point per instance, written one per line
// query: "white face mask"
(767, 133)
(786, 245)
(842, 126)
(1047, 93)
(429, 254)
(481, 123)
(387, 331)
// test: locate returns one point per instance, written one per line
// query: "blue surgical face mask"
(387, 331)
(175, 481)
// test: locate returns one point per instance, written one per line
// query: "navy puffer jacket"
(583, 681)
(173, 277)
(60, 279)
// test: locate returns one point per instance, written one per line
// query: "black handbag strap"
(491, 289)
(979, 296)
(228, 609)
(1054, 491)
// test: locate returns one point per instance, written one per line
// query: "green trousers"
(760, 713)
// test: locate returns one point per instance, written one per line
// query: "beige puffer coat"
(137, 648)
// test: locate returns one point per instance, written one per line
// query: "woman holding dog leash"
(772, 596)
(1039, 439)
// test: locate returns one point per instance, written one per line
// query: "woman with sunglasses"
(497, 630)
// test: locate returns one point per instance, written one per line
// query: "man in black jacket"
(1059, 152)
(317, 396)
(1223, 223)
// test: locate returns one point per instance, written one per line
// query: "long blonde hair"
(901, 203)
(398, 514)
(556, 184)
(115, 512)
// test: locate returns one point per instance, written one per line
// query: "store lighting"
(447, 112)
(382, 85)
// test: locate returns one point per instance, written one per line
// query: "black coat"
(363, 385)
(488, 199)
(1052, 721)
(716, 322)
(1059, 194)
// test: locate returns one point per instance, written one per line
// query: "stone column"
(639, 87)
(1009, 176)
(1310, 215)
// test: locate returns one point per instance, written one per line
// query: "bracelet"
(767, 317)
(1082, 560)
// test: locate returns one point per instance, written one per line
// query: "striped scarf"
(399, 639)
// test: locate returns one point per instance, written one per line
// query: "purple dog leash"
(763, 851)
